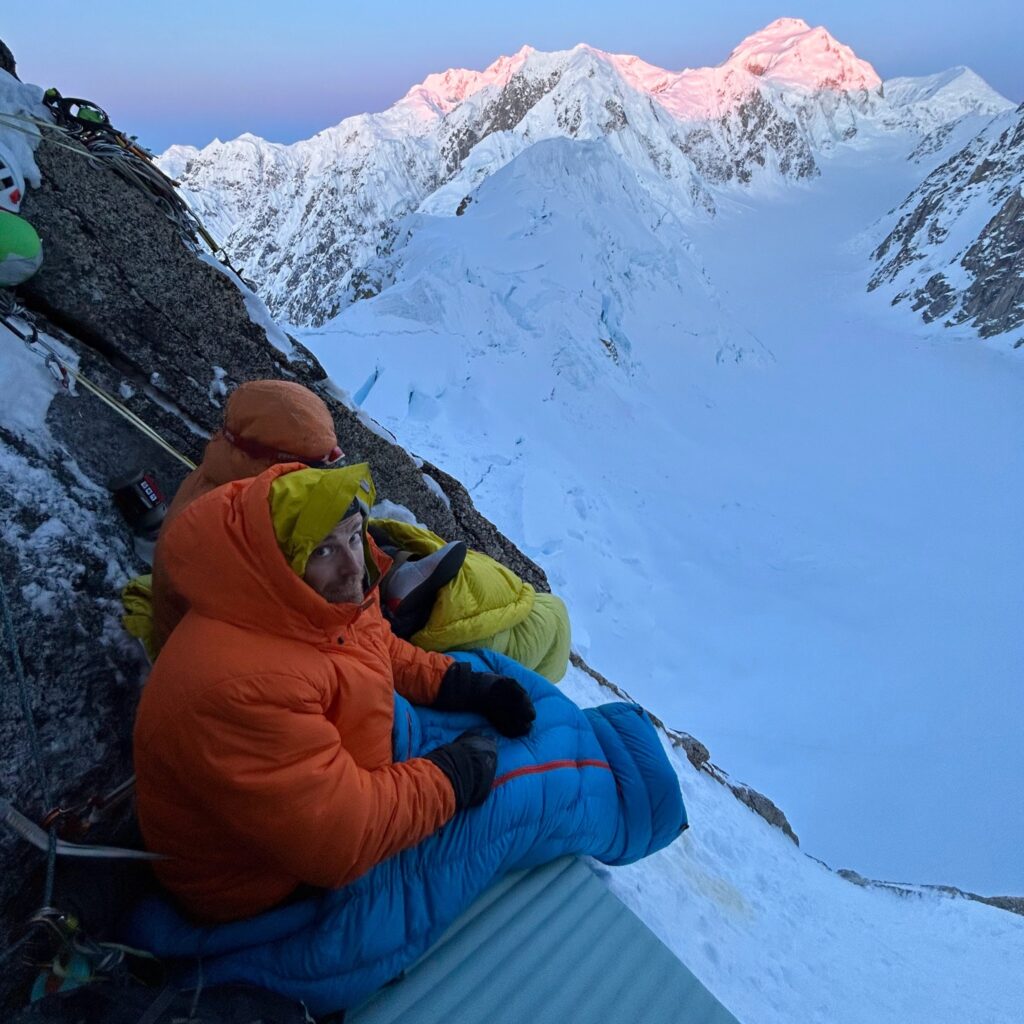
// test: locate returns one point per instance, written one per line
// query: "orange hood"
(227, 565)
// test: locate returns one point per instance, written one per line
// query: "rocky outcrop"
(994, 301)
(767, 809)
(1013, 904)
(502, 114)
(736, 146)
(956, 249)
(7, 60)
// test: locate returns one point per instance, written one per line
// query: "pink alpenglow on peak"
(791, 53)
(787, 54)
(448, 89)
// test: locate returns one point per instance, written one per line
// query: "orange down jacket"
(263, 741)
(275, 413)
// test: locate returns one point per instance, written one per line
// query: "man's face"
(335, 568)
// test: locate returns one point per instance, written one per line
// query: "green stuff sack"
(21, 252)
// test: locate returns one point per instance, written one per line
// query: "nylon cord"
(104, 396)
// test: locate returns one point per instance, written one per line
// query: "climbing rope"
(63, 371)
(30, 126)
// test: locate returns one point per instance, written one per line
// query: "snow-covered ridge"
(955, 247)
(446, 90)
(304, 221)
(788, 53)
(944, 97)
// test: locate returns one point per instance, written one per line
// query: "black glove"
(498, 698)
(469, 762)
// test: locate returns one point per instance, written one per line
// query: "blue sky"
(191, 71)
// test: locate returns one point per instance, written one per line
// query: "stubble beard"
(348, 592)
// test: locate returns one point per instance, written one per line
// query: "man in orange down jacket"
(266, 422)
(263, 742)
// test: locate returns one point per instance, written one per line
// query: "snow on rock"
(28, 382)
(256, 308)
(386, 509)
(445, 91)
(955, 247)
(64, 555)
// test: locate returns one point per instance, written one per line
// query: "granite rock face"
(994, 301)
(173, 331)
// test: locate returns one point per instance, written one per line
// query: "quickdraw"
(74, 822)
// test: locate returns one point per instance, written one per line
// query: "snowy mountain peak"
(175, 159)
(953, 92)
(447, 89)
(791, 53)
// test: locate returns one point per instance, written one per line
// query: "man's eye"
(322, 552)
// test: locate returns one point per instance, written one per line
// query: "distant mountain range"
(310, 223)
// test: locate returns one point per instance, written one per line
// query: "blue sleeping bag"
(592, 781)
